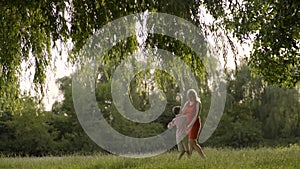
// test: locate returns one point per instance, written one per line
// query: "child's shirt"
(180, 121)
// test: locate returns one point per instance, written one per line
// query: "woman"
(192, 109)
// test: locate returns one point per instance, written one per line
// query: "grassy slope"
(217, 158)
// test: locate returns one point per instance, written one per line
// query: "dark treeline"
(255, 115)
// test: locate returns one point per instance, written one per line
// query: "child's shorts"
(183, 145)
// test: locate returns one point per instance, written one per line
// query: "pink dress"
(190, 112)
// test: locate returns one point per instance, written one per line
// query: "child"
(181, 132)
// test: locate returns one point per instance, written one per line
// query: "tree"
(273, 26)
(279, 112)
(27, 132)
(30, 29)
(70, 137)
(27, 31)
(256, 113)
(239, 127)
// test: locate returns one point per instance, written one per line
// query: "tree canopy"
(274, 27)
(30, 29)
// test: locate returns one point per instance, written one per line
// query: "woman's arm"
(198, 108)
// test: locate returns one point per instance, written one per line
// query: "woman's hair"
(193, 92)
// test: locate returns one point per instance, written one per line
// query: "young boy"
(181, 132)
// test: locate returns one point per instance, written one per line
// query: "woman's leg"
(194, 145)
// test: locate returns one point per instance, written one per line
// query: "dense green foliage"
(274, 27)
(255, 115)
(280, 157)
(34, 132)
(29, 30)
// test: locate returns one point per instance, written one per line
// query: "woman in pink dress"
(192, 110)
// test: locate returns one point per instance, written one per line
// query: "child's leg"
(188, 153)
(182, 147)
(180, 155)
(190, 147)
(186, 147)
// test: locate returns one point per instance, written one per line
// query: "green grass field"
(283, 157)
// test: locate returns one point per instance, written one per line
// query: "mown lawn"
(283, 157)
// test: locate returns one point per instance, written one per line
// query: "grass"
(282, 157)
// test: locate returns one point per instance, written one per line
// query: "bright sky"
(60, 69)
